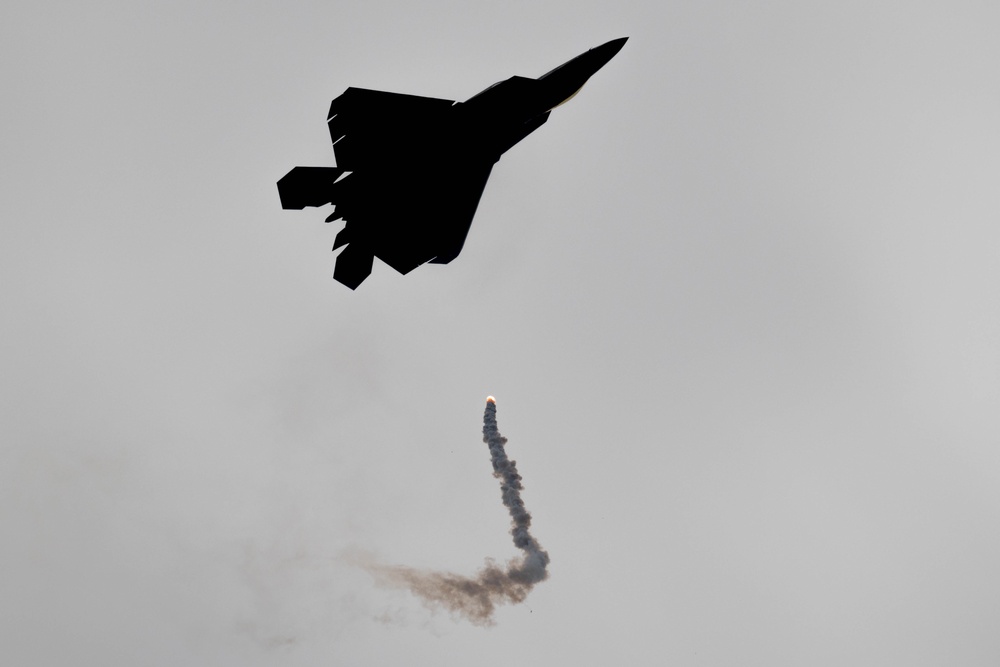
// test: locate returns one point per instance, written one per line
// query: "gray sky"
(737, 301)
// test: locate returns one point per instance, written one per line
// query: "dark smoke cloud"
(476, 598)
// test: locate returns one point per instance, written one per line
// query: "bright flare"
(490, 399)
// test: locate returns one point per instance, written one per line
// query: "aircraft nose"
(615, 45)
(600, 55)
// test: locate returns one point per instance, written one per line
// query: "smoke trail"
(532, 568)
(476, 598)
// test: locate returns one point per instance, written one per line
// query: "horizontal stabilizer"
(307, 186)
(354, 264)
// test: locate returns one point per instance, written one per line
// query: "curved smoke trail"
(476, 597)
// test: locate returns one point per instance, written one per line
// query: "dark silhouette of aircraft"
(410, 170)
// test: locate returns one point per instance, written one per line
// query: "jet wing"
(406, 184)
(369, 126)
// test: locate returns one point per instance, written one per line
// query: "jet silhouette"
(411, 170)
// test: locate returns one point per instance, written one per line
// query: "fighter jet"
(411, 170)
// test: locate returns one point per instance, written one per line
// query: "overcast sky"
(737, 300)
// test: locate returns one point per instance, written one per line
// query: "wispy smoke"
(476, 598)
